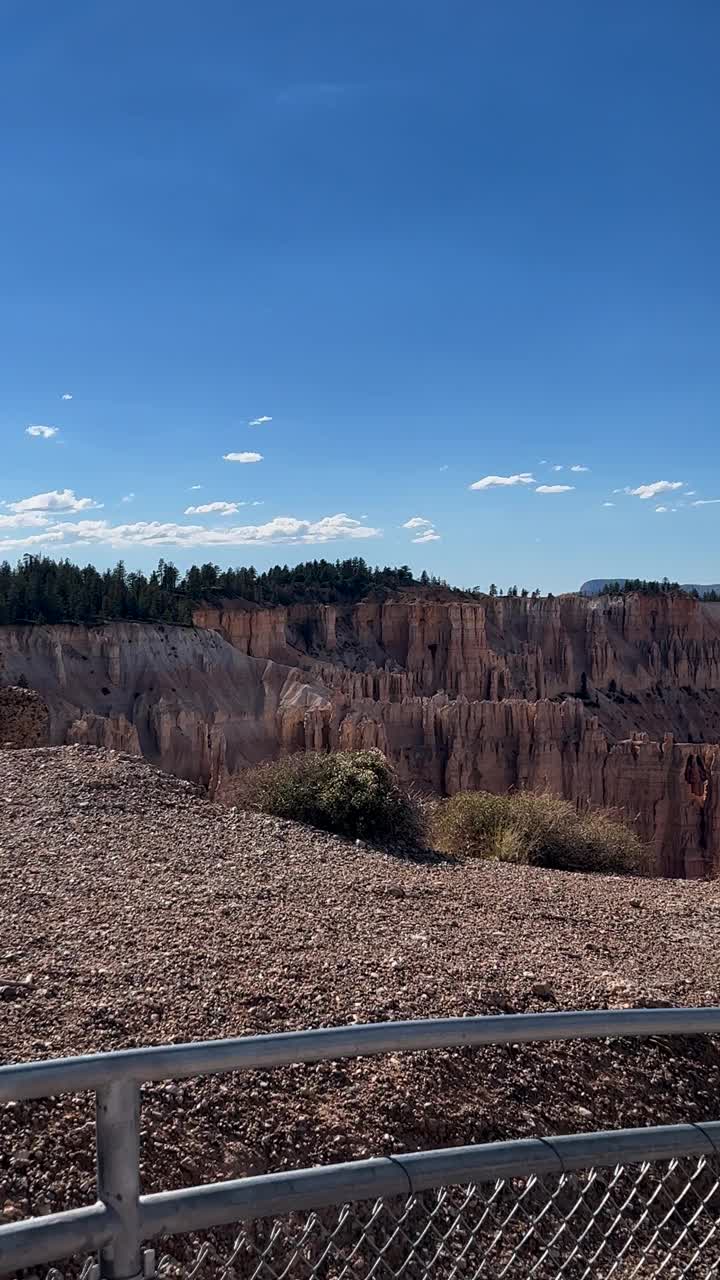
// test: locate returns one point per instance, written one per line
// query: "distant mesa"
(596, 586)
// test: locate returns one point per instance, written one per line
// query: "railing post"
(118, 1176)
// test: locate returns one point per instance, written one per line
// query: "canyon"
(612, 701)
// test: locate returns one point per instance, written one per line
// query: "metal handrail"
(210, 1057)
(123, 1218)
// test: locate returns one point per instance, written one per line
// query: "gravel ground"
(134, 911)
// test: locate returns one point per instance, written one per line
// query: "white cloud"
(196, 486)
(215, 508)
(58, 500)
(578, 467)
(608, 504)
(661, 510)
(128, 497)
(257, 504)
(424, 529)
(28, 520)
(690, 493)
(259, 422)
(242, 457)
(554, 488)
(34, 540)
(492, 482)
(705, 502)
(46, 433)
(154, 533)
(558, 466)
(646, 491)
(66, 396)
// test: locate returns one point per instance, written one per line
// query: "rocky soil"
(135, 911)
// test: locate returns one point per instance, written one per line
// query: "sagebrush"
(352, 793)
(537, 829)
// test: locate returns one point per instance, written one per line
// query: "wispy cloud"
(417, 522)
(608, 504)
(57, 501)
(661, 510)
(66, 396)
(196, 486)
(128, 497)
(578, 467)
(242, 457)
(493, 482)
(44, 433)
(647, 491)
(558, 466)
(705, 502)
(215, 508)
(259, 422)
(554, 488)
(444, 467)
(430, 535)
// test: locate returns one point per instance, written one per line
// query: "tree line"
(645, 587)
(39, 589)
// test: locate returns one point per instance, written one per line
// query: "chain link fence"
(623, 1203)
(652, 1219)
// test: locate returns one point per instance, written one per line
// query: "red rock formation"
(670, 790)
(458, 695)
(506, 647)
(185, 699)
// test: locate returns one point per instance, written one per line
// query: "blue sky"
(429, 243)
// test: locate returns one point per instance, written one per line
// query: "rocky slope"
(457, 694)
(136, 912)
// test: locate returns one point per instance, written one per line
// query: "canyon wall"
(185, 699)
(458, 695)
(670, 790)
(499, 648)
(464, 694)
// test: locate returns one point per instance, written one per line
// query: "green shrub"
(537, 829)
(353, 793)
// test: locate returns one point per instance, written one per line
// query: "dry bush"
(538, 829)
(352, 793)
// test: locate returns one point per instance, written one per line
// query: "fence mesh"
(659, 1219)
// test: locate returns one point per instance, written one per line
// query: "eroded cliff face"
(457, 695)
(185, 699)
(466, 695)
(507, 647)
(670, 789)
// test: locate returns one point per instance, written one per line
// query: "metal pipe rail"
(211, 1057)
(122, 1219)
